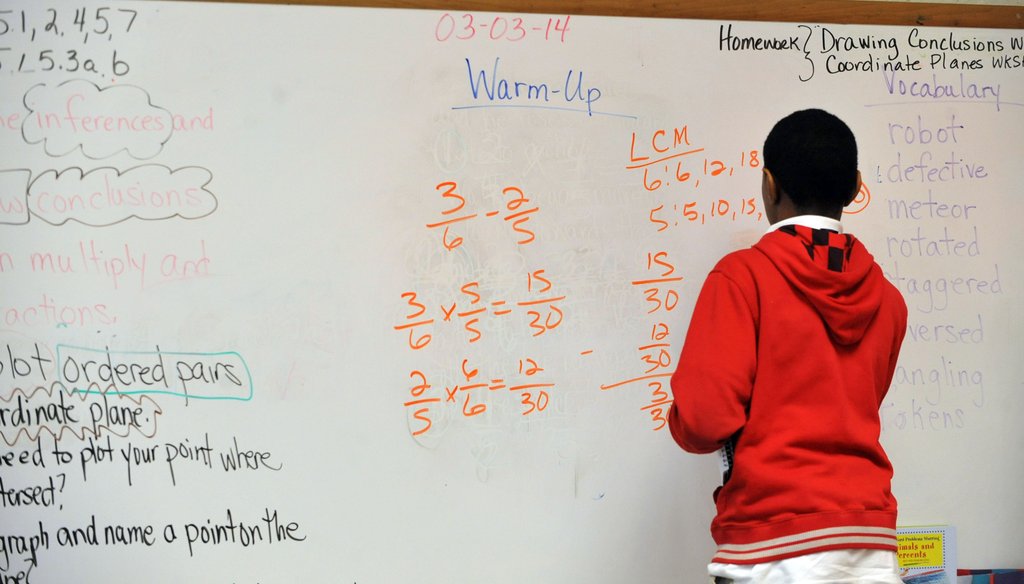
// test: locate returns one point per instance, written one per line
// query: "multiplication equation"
(473, 391)
(465, 311)
(469, 26)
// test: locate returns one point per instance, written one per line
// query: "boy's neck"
(809, 220)
(786, 209)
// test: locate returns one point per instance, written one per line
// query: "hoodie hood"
(833, 271)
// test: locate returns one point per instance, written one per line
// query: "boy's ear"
(855, 192)
(770, 189)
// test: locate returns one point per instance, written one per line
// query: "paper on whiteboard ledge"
(927, 554)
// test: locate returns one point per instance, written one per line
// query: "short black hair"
(813, 156)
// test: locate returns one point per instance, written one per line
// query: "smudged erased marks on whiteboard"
(556, 153)
(596, 496)
(498, 91)
(485, 452)
(450, 153)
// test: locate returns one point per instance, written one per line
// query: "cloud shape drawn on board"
(106, 196)
(101, 122)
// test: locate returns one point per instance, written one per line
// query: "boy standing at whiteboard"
(791, 348)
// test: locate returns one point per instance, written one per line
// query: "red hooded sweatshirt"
(790, 351)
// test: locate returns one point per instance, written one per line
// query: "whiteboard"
(355, 295)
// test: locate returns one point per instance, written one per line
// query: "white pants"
(831, 567)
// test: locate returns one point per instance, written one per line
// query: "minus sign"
(537, 28)
(587, 352)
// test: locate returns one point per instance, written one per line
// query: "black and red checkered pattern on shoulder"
(827, 248)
